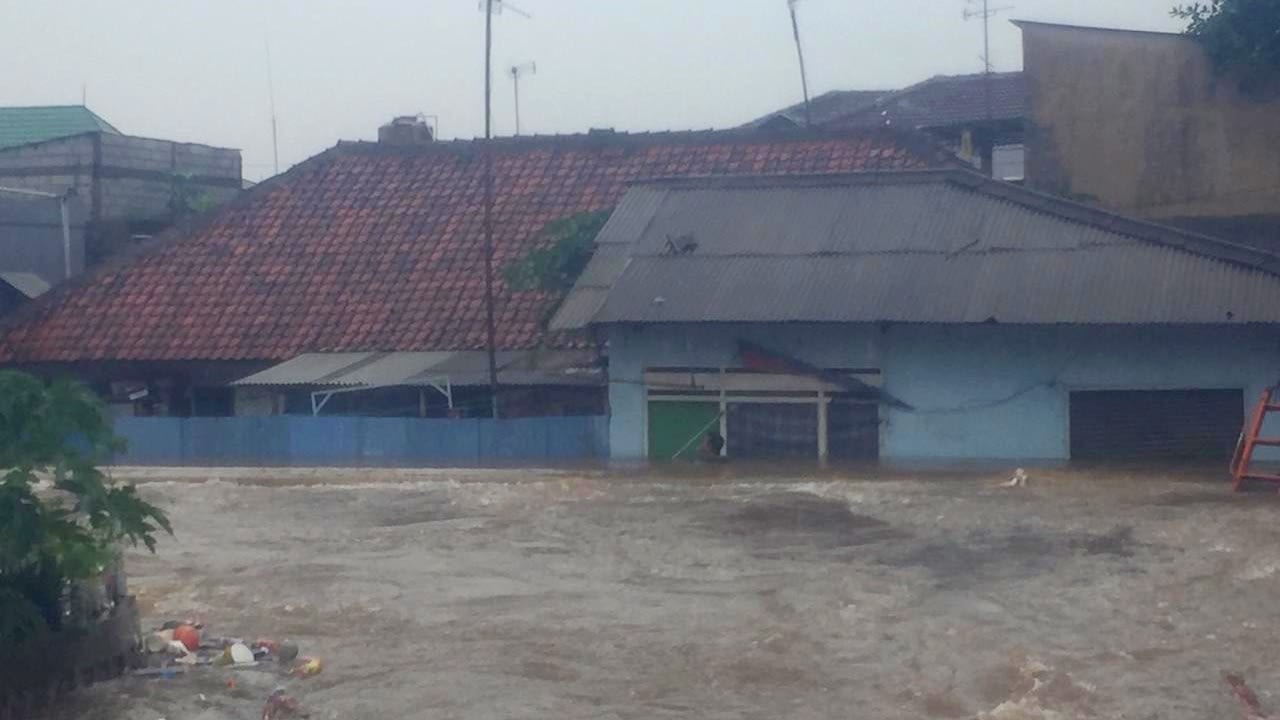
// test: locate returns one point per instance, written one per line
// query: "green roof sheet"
(24, 125)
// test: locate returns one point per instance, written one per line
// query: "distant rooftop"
(25, 125)
(826, 108)
(1036, 23)
(948, 100)
(940, 101)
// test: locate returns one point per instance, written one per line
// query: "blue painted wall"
(631, 350)
(285, 440)
(980, 392)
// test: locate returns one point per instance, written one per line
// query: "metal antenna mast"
(516, 72)
(804, 77)
(985, 14)
(490, 7)
(271, 95)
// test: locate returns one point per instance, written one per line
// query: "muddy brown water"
(716, 595)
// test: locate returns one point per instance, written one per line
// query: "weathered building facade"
(920, 316)
(123, 187)
(1142, 124)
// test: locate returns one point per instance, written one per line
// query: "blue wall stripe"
(394, 442)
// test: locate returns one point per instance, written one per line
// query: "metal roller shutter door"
(1155, 424)
(772, 431)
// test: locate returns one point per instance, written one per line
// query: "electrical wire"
(485, 403)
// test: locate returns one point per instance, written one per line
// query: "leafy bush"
(1242, 37)
(556, 267)
(68, 527)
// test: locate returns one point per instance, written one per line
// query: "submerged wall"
(978, 392)
(631, 350)
(291, 441)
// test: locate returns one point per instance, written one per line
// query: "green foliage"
(185, 198)
(68, 529)
(555, 267)
(1242, 37)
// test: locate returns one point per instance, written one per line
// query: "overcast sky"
(196, 70)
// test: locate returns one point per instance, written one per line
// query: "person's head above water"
(714, 442)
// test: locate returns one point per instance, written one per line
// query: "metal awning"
(333, 373)
(309, 369)
(382, 369)
(29, 284)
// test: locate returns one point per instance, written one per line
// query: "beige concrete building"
(1141, 124)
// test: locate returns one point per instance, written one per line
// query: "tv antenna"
(496, 7)
(517, 71)
(804, 77)
(985, 14)
(271, 96)
(490, 8)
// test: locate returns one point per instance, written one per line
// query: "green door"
(678, 427)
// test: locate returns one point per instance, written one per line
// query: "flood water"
(512, 594)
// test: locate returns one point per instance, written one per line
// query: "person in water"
(713, 446)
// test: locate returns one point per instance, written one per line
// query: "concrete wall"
(123, 177)
(359, 442)
(31, 237)
(979, 392)
(137, 176)
(1002, 392)
(1140, 122)
(53, 167)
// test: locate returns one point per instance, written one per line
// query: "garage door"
(1142, 425)
(677, 428)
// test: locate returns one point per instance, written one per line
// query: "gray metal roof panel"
(392, 368)
(29, 284)
(305, 369)
(382, 369)
(579, 309)
(1118, 284)
(913, 247)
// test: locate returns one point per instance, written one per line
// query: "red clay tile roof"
(366, 248)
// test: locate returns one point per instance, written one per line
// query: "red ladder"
(1250, 439)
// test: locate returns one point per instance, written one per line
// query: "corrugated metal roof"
(382, 369)
(29, 284)
(309, 369)
(24, 125)
(394, 368)
(948, 247)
